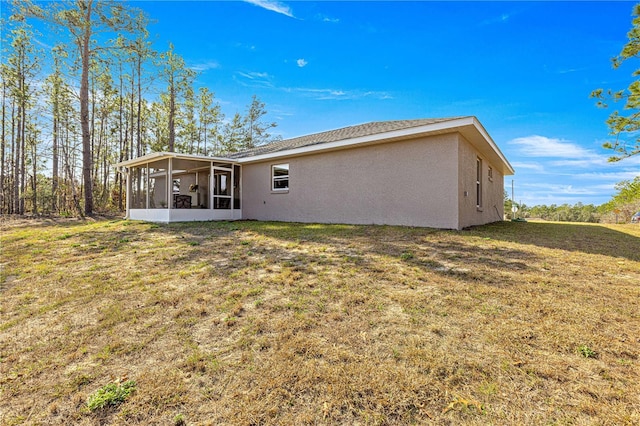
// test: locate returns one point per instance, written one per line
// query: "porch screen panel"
(222, 189)
(157, 188)
(139, 187)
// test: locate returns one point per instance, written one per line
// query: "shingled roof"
(344, 133)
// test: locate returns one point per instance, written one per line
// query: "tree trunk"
(172, 111)
(14, 161)
(87, 156)
(16, 164)
(123, 154)
(54, 165)
(23, 155)
(139, 119)
(4, 145)
(34, 169)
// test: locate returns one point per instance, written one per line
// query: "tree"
(3, 182)
(626, 201)
(53, 88)
(178, 78)
(627, 191)
(256, 129)
(21, 68)
(247, 132)
(209, 119)
(189, 131)
(83, 19)
(233, 137)
(63, 128)
(623, 127)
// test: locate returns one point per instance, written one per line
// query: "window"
(490, 174)
(478, 182)
(280, 177)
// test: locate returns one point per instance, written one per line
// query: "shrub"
(112, 395)
(586, 351)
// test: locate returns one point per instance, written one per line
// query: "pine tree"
(256, 129)
(624, 128)
(178, 78)
(82, 19)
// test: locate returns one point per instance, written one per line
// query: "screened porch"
(170, 187)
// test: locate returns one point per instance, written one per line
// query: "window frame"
(279, 178)
(479, 183)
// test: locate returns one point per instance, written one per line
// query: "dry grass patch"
(274, 323)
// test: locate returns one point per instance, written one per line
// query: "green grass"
(275, 323)
(110, 395)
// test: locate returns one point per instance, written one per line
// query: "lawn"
(272, 323)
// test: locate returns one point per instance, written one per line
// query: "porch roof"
(159, 156)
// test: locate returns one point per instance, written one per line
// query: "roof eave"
(433, 128)
(479, 135)
(470, 127)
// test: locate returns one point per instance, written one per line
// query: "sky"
(524, 69)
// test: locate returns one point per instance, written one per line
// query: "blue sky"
(525, 69)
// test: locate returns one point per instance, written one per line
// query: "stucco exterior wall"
(492, 208)
(401, 183)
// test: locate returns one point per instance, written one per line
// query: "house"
(441, 173)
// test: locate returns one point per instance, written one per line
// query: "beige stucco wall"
(492, 209)
(401, 183)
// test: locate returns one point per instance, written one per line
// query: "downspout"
(128, 193)
(170, 185)
(211, 183)
(147, 187)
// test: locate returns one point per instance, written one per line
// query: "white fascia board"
(141, 160)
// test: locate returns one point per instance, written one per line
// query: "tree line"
(72, 110)
(623, 204)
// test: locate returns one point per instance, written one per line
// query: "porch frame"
(170, 213)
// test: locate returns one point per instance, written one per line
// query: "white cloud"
(265, 80)
(338, 94)
(529, 166)
(254, 79)
(254, 75)
(614, 176)
(301, 62)
(322, 94)
(557, 171)
(588, 161)
(503, 18)
(204, 66)
(560, 189)
(325, 18)
(43, 44)
(274, 6)
(571, 70)
(541, 146)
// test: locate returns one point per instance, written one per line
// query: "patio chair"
(182, 202)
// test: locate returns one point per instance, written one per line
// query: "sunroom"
(171, 187)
